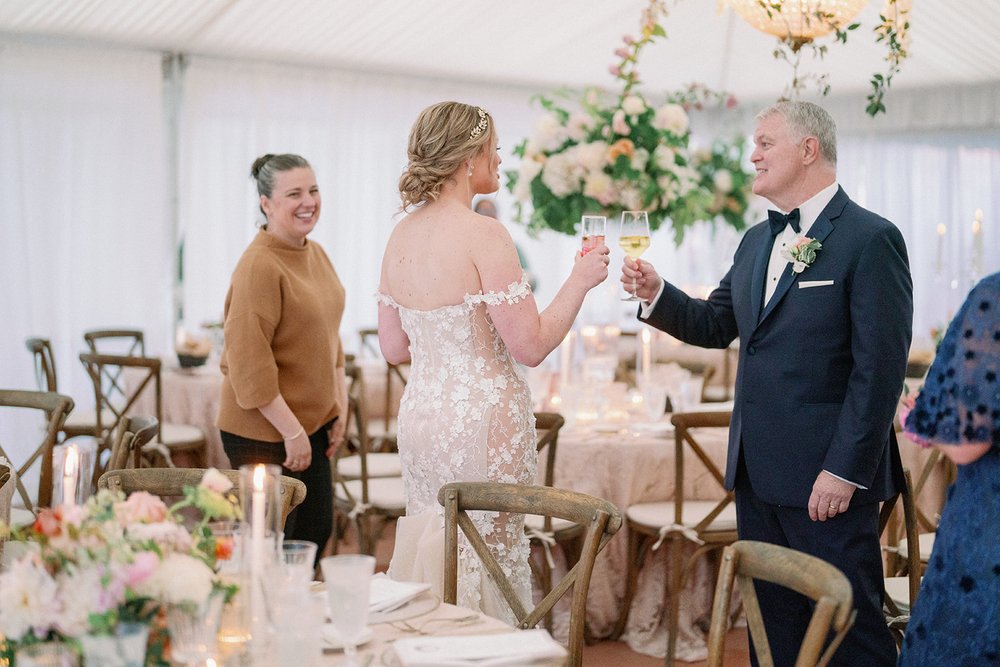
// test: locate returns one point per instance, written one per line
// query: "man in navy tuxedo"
(823, 347)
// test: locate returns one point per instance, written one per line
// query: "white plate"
(656, 428)
(332, 641)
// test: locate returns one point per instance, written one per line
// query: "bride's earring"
(470, 169)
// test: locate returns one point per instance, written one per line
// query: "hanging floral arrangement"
(613, 154)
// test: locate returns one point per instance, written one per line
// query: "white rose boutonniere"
(801, 253)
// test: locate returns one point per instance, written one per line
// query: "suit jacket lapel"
(759, 275)
(819, 231)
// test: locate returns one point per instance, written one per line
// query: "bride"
(454, 300)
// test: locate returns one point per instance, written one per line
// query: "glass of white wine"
(634, 239)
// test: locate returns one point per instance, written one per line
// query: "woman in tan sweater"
(284, 396)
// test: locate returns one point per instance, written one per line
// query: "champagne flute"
(634, 239)
(348, 580)
(592, 227)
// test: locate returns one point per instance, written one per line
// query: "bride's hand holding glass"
(591, 267)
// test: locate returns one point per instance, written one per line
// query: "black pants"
(313, 519)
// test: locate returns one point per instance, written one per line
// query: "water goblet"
(347, 587)
(634, 239)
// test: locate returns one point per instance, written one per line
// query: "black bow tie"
(779, 220)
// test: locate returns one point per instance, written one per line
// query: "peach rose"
(141, 507)
(621, 147)
(213, 480)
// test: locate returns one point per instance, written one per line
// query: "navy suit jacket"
(821, 367)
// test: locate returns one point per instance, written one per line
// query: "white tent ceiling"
(536, 44)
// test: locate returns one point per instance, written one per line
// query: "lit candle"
(71, 470)
(565, 359)
(941, 230)
(646, 361)
(977, 242)
(257, 543)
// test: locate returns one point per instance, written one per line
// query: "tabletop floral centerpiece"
(625, 153)
(90, 569)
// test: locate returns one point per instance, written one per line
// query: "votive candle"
(71, 471)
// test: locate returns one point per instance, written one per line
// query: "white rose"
(633, 105)
(672, 118)
(526, 173)
(216, 481)
(179, 578)
(578, 125)
(549, 132)
(559, 174)
(664, 156)
(28, 598)
(628, 196)
(599, 186)
(639, 159)
(723, 180)
(593, 155)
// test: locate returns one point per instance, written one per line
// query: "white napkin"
(501, 650)
(386, 594)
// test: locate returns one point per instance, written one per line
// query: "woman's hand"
(592, 269)
(298, 452)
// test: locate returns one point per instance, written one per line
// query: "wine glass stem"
(634, 288)
(351, 654)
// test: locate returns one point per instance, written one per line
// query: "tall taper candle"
(71, 471)
(941, 230)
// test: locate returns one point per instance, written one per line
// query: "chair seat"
(558, 525)
(898, 589)
(379, 465)
(384, 493)
(180, 436)
(85, 421)
(926, 544)
(658, 515)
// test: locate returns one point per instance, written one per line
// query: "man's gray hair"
(806, 119)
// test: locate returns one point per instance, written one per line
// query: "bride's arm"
(392, 340)
(528, 334)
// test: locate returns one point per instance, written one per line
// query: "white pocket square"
(814, 283)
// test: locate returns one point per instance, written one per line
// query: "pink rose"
(628, 39)
(213, 480)
(618, 123)
(622, 52)
(615, 70)
(731, 102)
(142, 567)
(141, 507)
(48, 523)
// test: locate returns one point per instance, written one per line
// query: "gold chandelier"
(797, 22)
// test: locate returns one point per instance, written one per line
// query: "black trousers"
(313, 519)
(849, 541)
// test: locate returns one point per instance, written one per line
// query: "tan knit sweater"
(282, 322)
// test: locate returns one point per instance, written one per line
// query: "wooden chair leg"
(633, 561)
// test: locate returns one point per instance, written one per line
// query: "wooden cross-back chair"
(130, 441)
(171, 482)
(709, 524)
(7, 487)
(600, 518)
(828, 587)
(547, 531)
(384, 435)
(78, 422)
(55, 407)
(176, 438)
(122, 342)
(903, 572)
(367, 486)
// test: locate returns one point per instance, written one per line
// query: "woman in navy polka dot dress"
(956, 620)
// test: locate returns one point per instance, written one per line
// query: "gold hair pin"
(480, 126)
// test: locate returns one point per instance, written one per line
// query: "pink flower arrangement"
(88, 568)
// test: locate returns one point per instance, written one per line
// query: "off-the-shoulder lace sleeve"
(514, 293)
(385, 299)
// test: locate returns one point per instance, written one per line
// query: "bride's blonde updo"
(443, 137)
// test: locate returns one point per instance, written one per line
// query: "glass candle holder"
(72, 471)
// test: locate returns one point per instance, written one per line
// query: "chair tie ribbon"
(686, 531)
(547, 540)
(358, 510)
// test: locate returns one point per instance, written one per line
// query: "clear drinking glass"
(347, 585)
(634, 239)
(46, 654)
(194, 628)
(593, 229)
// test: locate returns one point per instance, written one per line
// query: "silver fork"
(461, 621)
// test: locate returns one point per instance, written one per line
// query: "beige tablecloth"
(628, 469)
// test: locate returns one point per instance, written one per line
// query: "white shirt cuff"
(646, 307)
(855, 484)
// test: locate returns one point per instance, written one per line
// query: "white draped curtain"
(87, 178)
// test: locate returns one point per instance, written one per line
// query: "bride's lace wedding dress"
(465, 415)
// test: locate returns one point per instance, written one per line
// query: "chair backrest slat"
(601, 518)
(55, 407)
